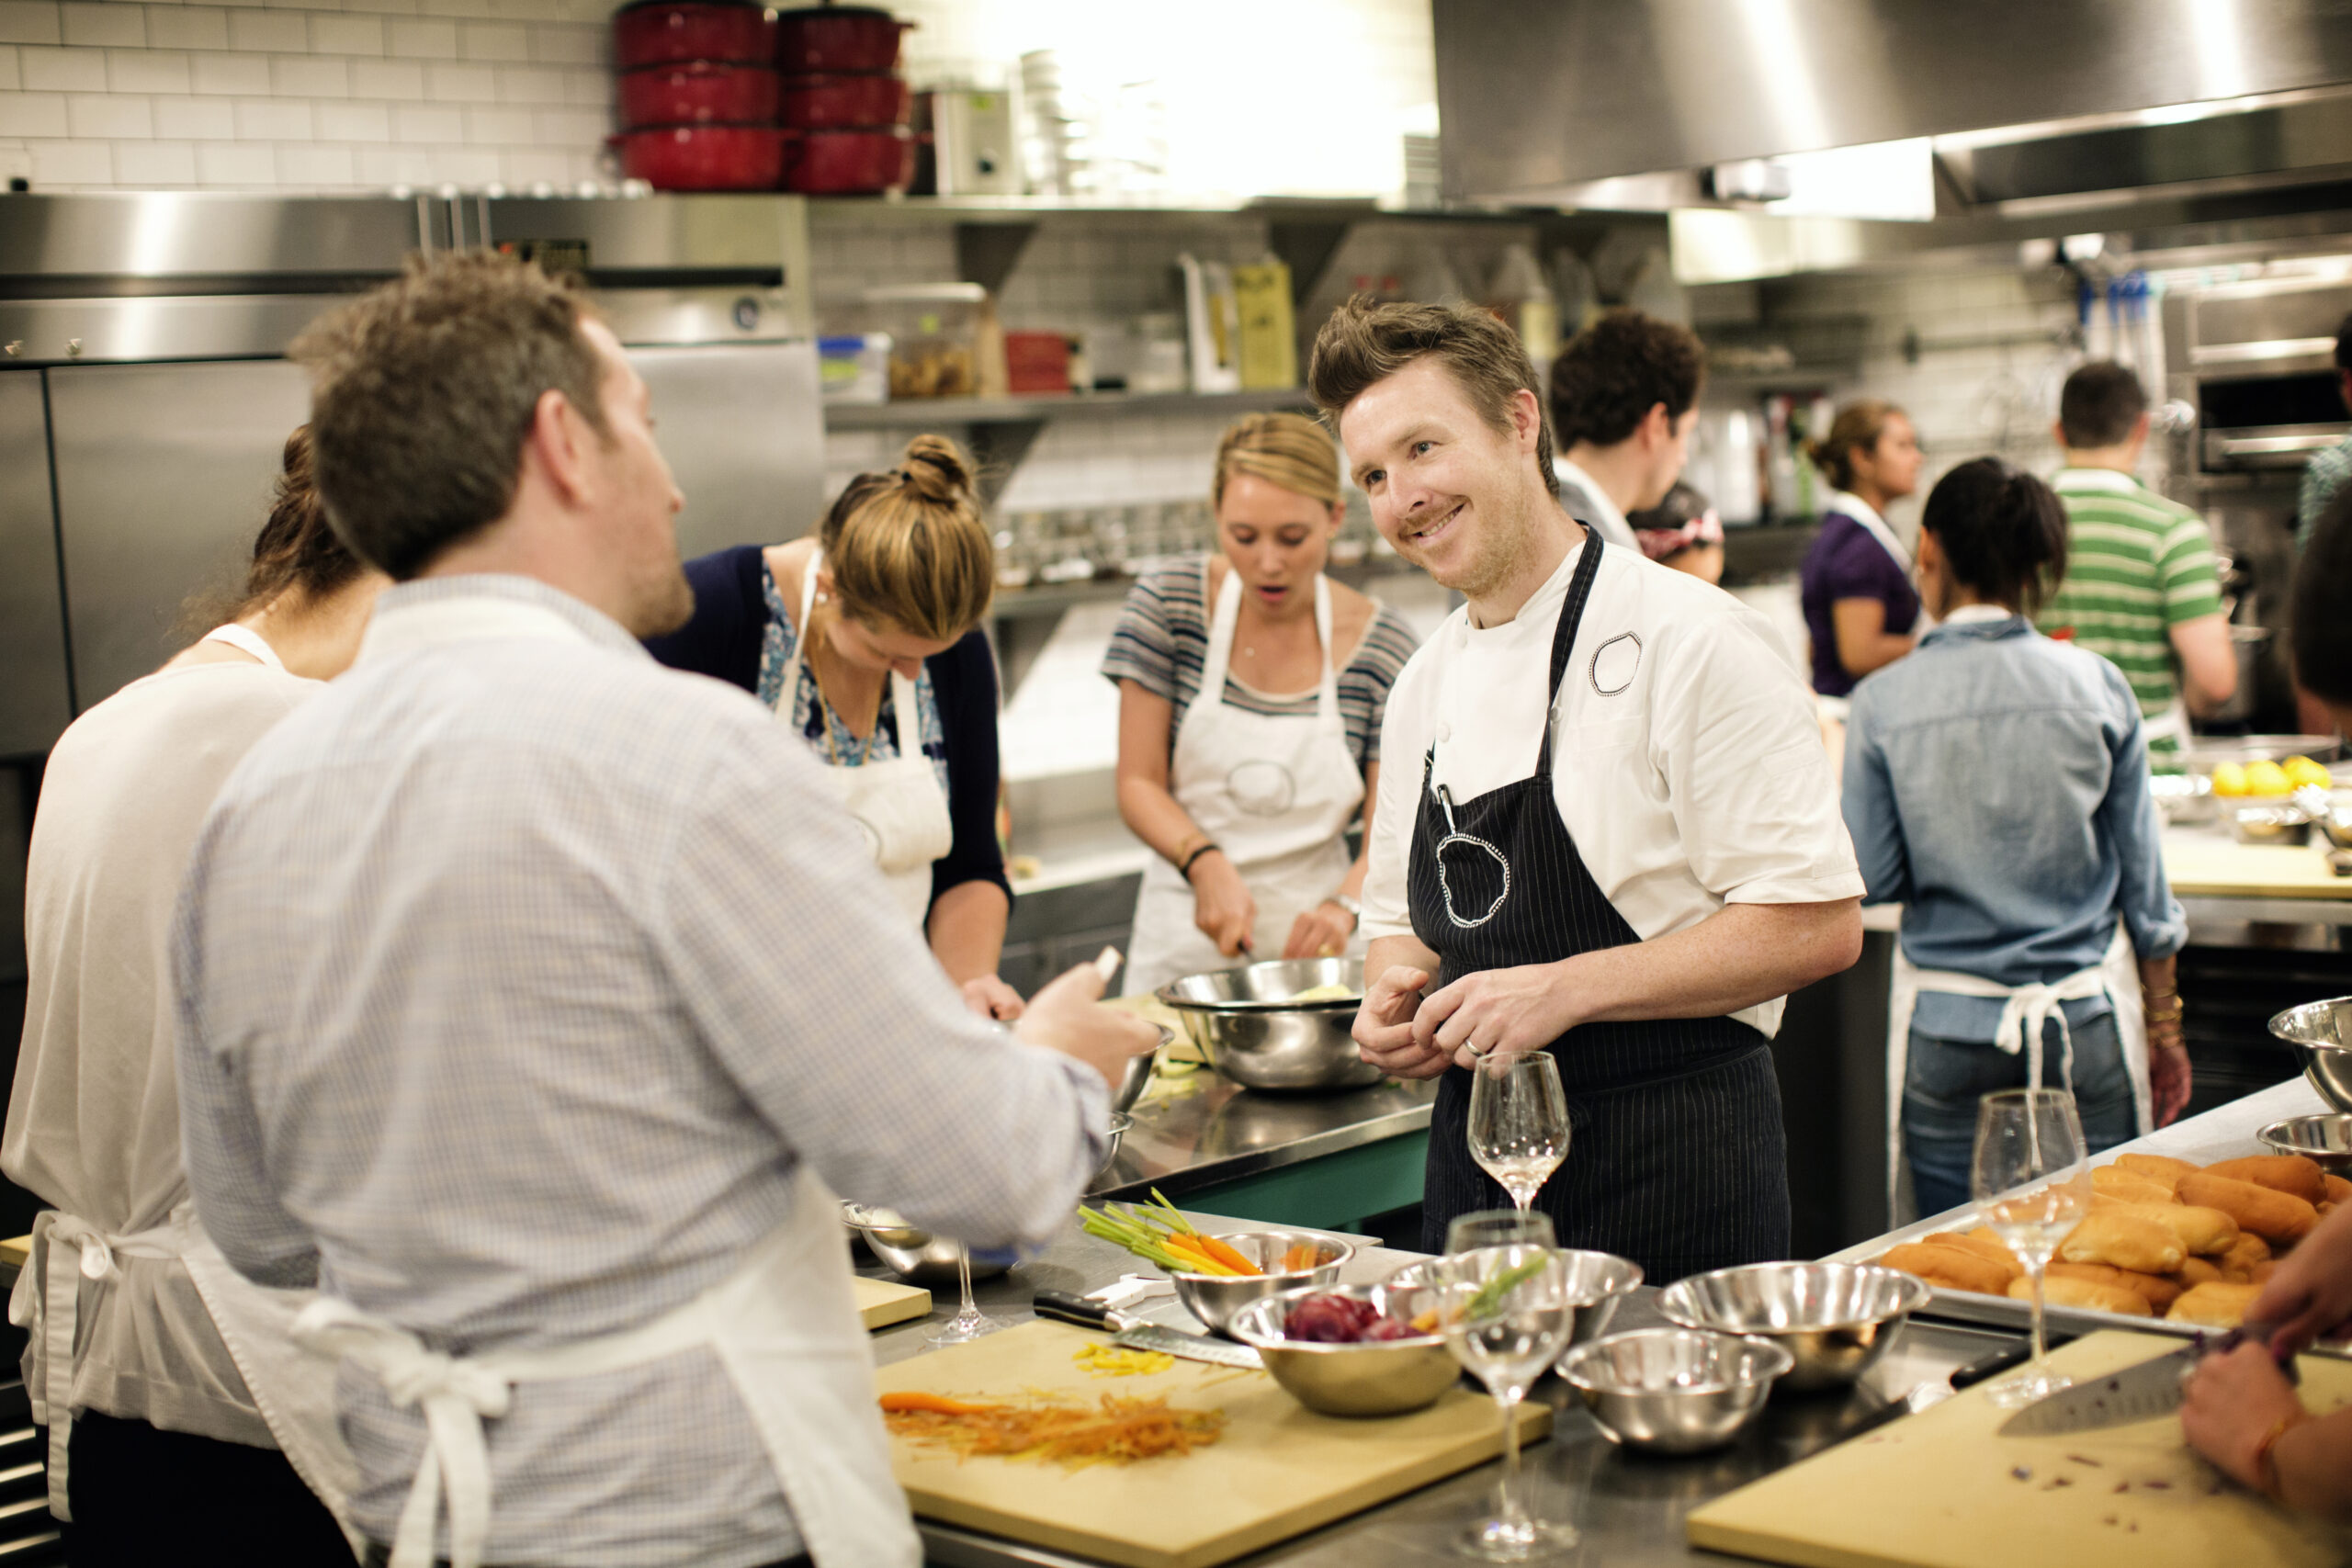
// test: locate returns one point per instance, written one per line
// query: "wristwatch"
(1353, 907)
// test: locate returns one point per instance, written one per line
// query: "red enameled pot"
(673, 32)
(847, 102)
(838, 37)
(700, 94)
(850, 162)
(705, 157)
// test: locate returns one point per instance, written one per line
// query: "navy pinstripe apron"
(1676, 1154)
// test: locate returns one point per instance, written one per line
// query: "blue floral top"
(810, 717)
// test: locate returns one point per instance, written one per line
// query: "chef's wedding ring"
(1472, 1046)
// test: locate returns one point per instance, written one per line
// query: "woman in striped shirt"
(1251, 694)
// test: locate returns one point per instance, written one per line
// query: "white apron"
(2025, 1010)
(897, 803)
(294, 1394)
(1275, 793)
(785, 1325)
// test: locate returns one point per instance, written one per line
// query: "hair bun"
(936, 470)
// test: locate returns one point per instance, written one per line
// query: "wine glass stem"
(1507, 1506)
(2040, 1345)
(969, 1308)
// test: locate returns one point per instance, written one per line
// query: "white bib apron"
(1276, 795)
(785, 1325)
(2024, 1010)
(897, 803)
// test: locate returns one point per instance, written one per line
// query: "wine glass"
(1499, 1228)
(969, 1323)
(2031, 1187)
(1508, 1315)
(1519, 1122)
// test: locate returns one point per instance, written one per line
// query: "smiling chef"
(1609, 830)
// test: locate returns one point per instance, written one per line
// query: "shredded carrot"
(911, 1402)
(1119, 1431)
(1228, 1256)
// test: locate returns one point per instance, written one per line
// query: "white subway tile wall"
(304, 95)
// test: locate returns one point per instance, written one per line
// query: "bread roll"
(1951, 1266)
(2199, 1270)
(2274, 1215)
(2238, 1264)
(2158, 1291)
(2126, 1238)
(2060, 1290)
(2280, 1173)
(2114, 1183)
(1987, 1247)
(2203, 1233)
(2338, 1189)
(2160, 1168)
(2215, 1306)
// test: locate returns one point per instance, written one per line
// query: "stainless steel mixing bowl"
(2321, 1033)
(1674, 1391)
(1140, 1070)
(1834, 1319)
(1214, 1298)
(1248, 1025)
(1387, 1377)
(2325, 1140)
(915, 1256)
(1598, 1283)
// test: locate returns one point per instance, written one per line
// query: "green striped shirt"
(2137, 565)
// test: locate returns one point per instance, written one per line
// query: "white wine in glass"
(2032, 1185)
(1508, 1316)
(1519, 1122)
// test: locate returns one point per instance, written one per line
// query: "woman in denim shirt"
(1996, 787)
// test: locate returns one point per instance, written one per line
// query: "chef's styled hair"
(2099, 404)
(907, 548)
(1365, 342)
(1612, 373)
(2003, 532)
(1286, 450)
(2322, 631)
(1856, 429)
(424, 391)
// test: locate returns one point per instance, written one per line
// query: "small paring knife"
(1135, 1334)
(2152, 1388)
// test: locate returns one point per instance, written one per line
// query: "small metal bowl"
(1214, 1298)
(2324, 1140)
(916, 1256)
(1384, 1378)
(1245, 1022)
(2277, 823)
(2321, 1033)
(1598, 1283)
(1140, 1070)
(1834, 1319)
(2184, 797)
(1674, 1391)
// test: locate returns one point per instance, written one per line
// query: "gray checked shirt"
(516, 976)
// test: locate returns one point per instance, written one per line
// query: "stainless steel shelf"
(917, 413)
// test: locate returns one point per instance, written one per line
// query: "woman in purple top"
(1859, 604)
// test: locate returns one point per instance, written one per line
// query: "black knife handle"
(1992, 1366)
(1072, 1308)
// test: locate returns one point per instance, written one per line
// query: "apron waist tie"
(46, 1303)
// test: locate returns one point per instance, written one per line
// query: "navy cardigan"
(724, 640)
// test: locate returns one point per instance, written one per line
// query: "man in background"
(2141, 587)
(1624, 400)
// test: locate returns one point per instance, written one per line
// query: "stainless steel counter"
(1206, 1131)
(1629, 1506)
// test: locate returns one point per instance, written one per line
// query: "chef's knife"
(2136, 1393)
(1934, 1392)
(1135, 1334)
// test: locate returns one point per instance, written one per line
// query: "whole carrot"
(901, 1403)
(1224, 1254)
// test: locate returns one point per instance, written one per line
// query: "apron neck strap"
(245, 639)
(902, 691)
(1564, 637)
(1224, 618)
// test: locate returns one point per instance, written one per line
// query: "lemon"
(2229, 779)
(2265, 778)
(2301, 772)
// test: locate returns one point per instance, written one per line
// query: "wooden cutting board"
(881, 1302)
(2221, 867)
(1941, 1490)
(1277, 1468)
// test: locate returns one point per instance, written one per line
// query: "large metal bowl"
(2324, 1140)
(1834, 1319)
(2321, 1033)
(1598, 1283)
(1214, 1298)
(1385, 1377)
(916, 1256)
(1245, 1022)
(1674, 1391)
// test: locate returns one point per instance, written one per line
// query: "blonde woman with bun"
(865, 638)
(1251, 694)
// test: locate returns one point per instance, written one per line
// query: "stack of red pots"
(699, 95)
(844, 101)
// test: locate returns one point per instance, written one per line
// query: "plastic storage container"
(935, 335)
(855, 368)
